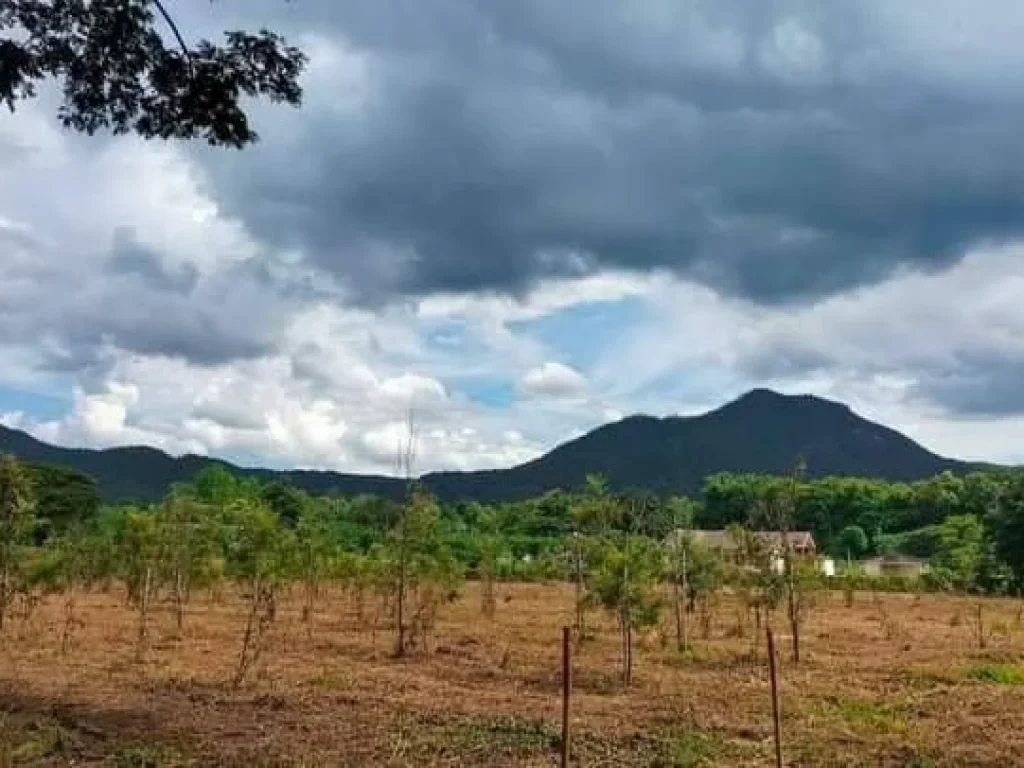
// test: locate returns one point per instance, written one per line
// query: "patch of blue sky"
(40, 407)
(683, 392)
(578, 334)
(490, 391)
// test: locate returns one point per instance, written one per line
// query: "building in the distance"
(903, 566)
(735, 546)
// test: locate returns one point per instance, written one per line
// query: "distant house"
(801, 543)
(770, 543)
(894, 565)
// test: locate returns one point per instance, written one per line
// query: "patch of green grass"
(32, 742)
(1003, 674)
(36, 745)
(486, 739)
(864, 714)
(477, 736)
(505, 734)
(146, 756)
(687, 749)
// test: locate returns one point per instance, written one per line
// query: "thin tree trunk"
(629, 652)
(579, 593)
(794, 619)
(179, 600)
(679, 615)
(309, 594)
(140, 647)
(5, 580)
(686, 604)
(488, 601)
(69, 619)
(623, 657)
(243, 658)
(400, 646)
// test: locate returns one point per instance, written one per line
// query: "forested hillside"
(761, 432)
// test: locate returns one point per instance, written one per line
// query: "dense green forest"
(971, 525)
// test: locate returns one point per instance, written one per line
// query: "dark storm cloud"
(992, 388)
(143, 311)
(128, 257)
(136, 304)
(774, 150)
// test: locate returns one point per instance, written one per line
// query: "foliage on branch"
(120, 70)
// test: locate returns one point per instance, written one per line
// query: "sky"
(521, 220)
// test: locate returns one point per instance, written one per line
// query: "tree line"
(401, 562)
(849, 517)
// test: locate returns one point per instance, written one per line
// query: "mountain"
(762, 431)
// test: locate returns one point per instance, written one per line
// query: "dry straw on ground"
(888, 681)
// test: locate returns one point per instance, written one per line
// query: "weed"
(865, 714)
(687, 749)
(507, 734)
(146, 756)
(325, 679)
(39, 743)
(483, 736)
(1002, 629)
(1002, 674)
(892, 629)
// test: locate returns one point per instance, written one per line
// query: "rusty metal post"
(775, 699)
(566, 691)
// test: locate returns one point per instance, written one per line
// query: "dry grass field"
(895, 680)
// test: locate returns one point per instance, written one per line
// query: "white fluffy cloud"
(554, 380)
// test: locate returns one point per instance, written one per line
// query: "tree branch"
(174, 28)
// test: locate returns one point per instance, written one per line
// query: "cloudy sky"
(524, 219)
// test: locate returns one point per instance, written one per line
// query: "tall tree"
(17, 522)
(490, 548)
(778, 511)
(256, 553)
(1008, 525)
(143, 561)
(852, 542)
(65, 499)
(625, 583)
(315, 554)
(190, 533)
(960, 550)
(421, 572)
(126, 66)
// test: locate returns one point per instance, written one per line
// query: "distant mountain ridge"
(762, 431)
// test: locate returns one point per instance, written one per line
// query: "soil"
(894, 680)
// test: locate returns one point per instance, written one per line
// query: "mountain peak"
(762, 431)
(770, 396)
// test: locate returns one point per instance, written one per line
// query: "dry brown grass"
(891, 681)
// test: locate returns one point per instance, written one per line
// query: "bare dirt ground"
(895, 680)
